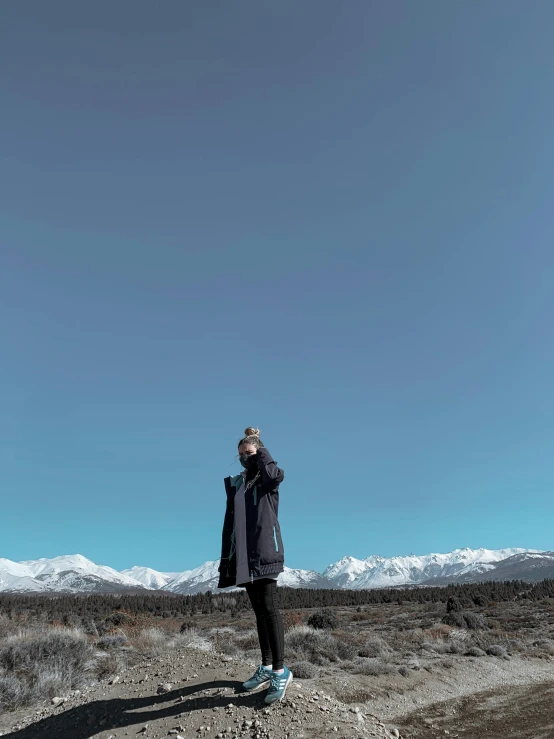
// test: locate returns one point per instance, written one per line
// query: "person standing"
(252, 556)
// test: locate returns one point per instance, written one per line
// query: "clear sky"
(331, 220)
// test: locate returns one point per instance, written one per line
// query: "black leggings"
(265, 602)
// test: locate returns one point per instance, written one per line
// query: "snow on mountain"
(531, 566)
(75, 573)
(16, 576)
(301, 579)
(202, 578)
(151, 579)
(381, 572)
(67, 573)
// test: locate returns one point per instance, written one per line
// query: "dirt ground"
(524, 712)
(204, 690)
(204, 699)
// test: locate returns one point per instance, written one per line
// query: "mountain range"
(76, 574)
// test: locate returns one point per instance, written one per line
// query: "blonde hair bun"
(252, 432)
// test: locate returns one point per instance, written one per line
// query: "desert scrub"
(545, 645)
(497, 650)
(112, 641)
(151, 642)
(303, 670)
(444, 646)
(371, 666)
(312, 645)
(323, 619)
(465, 619)
(291, 618)
(41, 665)
(475, 652)
(248, 640)
(375, 646)
(190, 639)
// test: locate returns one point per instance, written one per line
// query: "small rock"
(164, 688)
(395, 732)
(115, 679)
(57, 700)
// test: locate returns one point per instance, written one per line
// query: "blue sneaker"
(260, 677)
(278, 685)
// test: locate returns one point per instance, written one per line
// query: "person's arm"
(271, 474)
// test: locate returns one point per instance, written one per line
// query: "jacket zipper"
(255, 495)
(275, 538)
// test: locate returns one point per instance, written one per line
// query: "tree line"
(81, 609)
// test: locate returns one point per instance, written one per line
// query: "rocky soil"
(192, 694)
(189, 695)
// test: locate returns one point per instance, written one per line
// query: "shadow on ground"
(82, 722)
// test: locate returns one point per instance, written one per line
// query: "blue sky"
(329, 220)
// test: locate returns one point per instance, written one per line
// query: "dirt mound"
(190, 695)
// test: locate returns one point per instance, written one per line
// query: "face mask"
(248, 461)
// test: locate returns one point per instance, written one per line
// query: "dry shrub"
(112, 641)
(7, 626)
(14, 693)
(248, 640)
(223, 642)
(371, 666)
(545, 645)
(325, 618)
(139, 623)
(440, 630)
(444, 646)
(475, 652)
(151, 642)
(291, 618)
(346, 651)
(497, 650)
(303, 670)
(465, 620)
(190, 639)
(40, 665)
(108, 665)
(375, 646)
(313, 645)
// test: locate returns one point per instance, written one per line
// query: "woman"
(252, 555)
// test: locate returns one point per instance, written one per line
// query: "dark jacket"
(266, 555)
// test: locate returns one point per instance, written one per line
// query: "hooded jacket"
(264, 544)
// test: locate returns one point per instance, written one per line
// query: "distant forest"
(116, 609)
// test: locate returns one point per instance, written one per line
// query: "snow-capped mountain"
(149, 578)
(76, 574)
(530, 566)
(69, 573)
(206, 577)
(381, 572)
